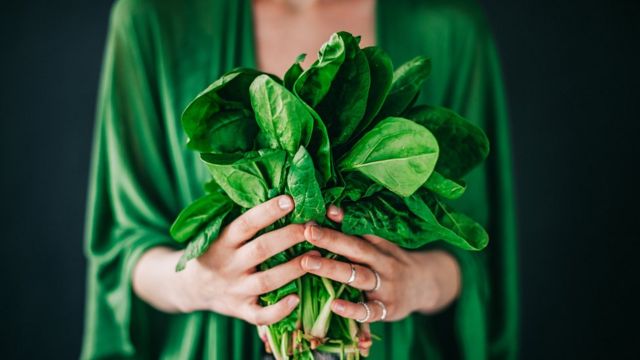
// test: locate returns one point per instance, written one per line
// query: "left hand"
(425, 281)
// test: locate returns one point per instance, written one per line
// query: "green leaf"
(407, 82)
(381, 73)
(345, 104)
(303, 187)
(282, 117)
(223, 108)
(314, 83)
(199, 245)
(463, 145)
(294, 72)
(193, 218)
(277, 295)
(448, 225)
(385, 215)
(333, 194)
(412, 223)
(444, 187)
(240, 178)
(359, 186)
(225, 131)
(272, 165)
(397, 153)
(212, 186)
(320, 148)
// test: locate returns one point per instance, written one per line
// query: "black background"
(571, 69)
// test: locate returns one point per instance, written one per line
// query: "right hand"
(225, 279)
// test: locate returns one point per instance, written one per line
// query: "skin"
(225, 279)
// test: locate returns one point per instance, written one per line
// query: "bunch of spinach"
(345, 131)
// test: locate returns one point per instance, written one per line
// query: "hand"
(224, 279)
(409, 281)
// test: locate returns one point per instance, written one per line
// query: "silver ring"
(367, 309)
(352, 278)
(378, 281)
(384, 309)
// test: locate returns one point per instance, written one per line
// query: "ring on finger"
(352, 278)
(383, 307)
(367, 309)
(378, 281)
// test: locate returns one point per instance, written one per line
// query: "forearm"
(440, 279)
(155, 280)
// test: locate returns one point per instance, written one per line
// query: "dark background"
(571, 69)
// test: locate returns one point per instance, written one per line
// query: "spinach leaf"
(294, 72)
(345, 103)
(463, 145)
(221, 109)
(314, 83)
(450, 226)
(304, 189)
(205, 237)
(411, 222)
(221, 129)
(192, 218)
(282, 117)
(397, 153)
(381, 73)
(407, 82)
(240, 178)
(320, 147)
(272, 166)
(386, 215)
(359, 186)
(444, 187)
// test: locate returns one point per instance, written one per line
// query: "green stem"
(321, 325)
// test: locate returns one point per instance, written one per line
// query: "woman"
(440, 302)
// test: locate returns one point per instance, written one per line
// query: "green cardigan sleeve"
(129, 193)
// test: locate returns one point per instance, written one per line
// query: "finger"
(364, 339)
(355, 311)
(335, 213)
(351, 247)
(268, 315)
(267, 245)
(381, 243)
(263, 282)
(245, 226)
(339, 271)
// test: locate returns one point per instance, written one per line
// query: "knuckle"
(360, 247)
(263, 283)
(297, 231)
(253, 317)
(244, 225)
(259, 249)
(366, 275)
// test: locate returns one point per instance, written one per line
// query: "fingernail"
(312, 263)
(333, 210)
(316, 232)
(293, 301)
(338, 307)
(285, 203)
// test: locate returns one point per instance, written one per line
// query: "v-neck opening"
(252, 38)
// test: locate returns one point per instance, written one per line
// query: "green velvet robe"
(159, 55)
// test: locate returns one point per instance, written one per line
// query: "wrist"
(439, 280)
(155, 281)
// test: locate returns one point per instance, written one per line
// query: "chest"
(282, 31)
